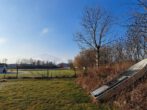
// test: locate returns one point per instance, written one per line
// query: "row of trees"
(137, 34)
(97, 49)
(33, 63)
(4, 60)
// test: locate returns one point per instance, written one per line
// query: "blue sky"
(44, 29)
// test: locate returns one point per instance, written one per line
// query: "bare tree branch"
(95, 25)
(143, 3)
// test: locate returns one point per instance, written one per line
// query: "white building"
(3, 68)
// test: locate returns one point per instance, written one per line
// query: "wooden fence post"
(47, 73)
(17, 71)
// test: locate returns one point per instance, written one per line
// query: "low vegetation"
(38, 73)
(135, 98)
(96, 77)
(132, 98)
(55, 94)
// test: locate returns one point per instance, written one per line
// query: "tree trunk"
(97, 57)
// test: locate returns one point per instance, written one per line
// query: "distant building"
(64, 65)
(3, 68)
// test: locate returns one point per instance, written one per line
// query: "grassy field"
(39, 73)
(56, 94)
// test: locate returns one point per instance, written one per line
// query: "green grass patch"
(57, 94)
(39, 73)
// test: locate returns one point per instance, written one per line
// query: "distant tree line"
(35, 64)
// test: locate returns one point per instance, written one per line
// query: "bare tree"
(143, 3)
(141, 16)
(136, 39)
(95, 24)
(137, 34)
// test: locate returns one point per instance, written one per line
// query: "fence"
(37, 73)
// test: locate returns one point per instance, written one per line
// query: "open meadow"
(55, 94)
(33, 73)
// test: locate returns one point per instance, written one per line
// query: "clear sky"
(44, 29)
